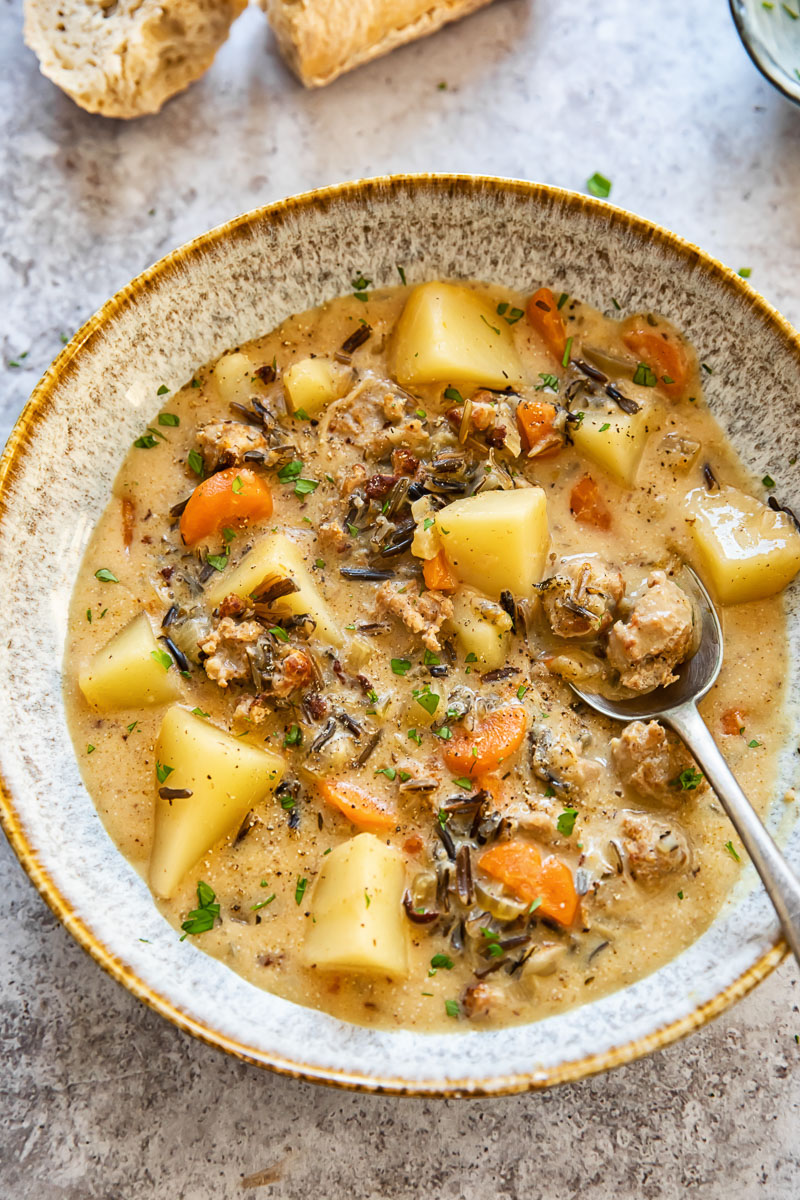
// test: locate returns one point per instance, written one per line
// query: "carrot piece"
(230, 497)
(542, 313)
(497, 736)
(357, 805)
(437, 574)
(492, 784)
(518, 865)
(732, 721)
(536, 424)
(662, 354)
(586, 504)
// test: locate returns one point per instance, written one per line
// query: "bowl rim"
(20, 440)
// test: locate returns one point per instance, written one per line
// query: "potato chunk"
(276, 557)
(311, 384)
(130, 670)
(614, 440)
(224, 777)
(497, 541)
(448, 334)
(747, 550)
(482, 628)
(234, 376)
(357, 906)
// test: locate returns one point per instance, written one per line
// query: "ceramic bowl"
(226, 287)
(770, 34)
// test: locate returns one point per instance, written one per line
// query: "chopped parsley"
(452, 1008)
(567, 352)
(146, 442)
(521, 690)
(535, 904)
(598, 185)
(562, 299)
(319, 563)
(402, 275)
(548, 381)
(444, 732)
(168, 419)
(290, 470)
(427, 523)
(745, 272)
(415, 736)
(566, 821)
(729, 846)
(389, 772)
(202, 918)
(218, 561)
(451, 393)
(195, 461)
(688, 780)
(237, 487)
(163, 771)
(106, 576)
(262, 903)
(426, 699)
(90, 749)
(493, 328)
(400, 666)
(604, 427)
(644, 376)
(198, 712)
(768, 481)
(162, 391)
(471, 657)
(442, 962)
(304, 487)
(300, 890)
(430, 659)
(464, 783)
(293, 737)
(514, 315)
(278, 633)
(680, 895)
(753, 743)
(162, 658)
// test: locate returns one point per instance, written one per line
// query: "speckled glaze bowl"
(226, 287)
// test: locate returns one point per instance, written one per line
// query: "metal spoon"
(676, 706)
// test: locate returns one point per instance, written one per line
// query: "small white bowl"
(771, 36)
(226, 287)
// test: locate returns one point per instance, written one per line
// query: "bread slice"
(321, 39)
(123, 58)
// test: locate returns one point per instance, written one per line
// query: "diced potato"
(448, 334)
(130, 670)
(225, 777)
(497, 541)
(426, 704)
(311, 384)
(746, 550)
(234, 376)
(614, 440)
(482, 628)
(278, 557)
(359, 923)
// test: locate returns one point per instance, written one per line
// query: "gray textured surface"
(101, 1098)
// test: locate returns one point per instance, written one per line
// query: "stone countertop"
(103, 1100)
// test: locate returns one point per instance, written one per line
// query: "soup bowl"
(231, 285)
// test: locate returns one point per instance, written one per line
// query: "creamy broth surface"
(650, 867)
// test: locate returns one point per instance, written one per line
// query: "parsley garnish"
(562, 299)
(262, 903)
(168, 419)
(195, 461)
(198, 712)
(304, 487)
(567, 352)
(290, 470)
(294, 736)
(415, 736)
(427, 523)
(604, 427)
(426, 699)
(278, 633)
(745, 272)
(106, 576)
(389, 772)
(548, 381)
(146, 441)
(319, 563)
(521, 690)
(471, 657)
(688, 780)
(752, 744)
(237, 487)
(400, 666)
(162, 658)
(452, 1008)
(89, 748)
(599, 186)
(729, 846)
(402, 275)
(300, 890)
(768, 481)
(441, 961)
(451, 393)
(644, 376)
(218, 561)
(464, 783)
(430, 659)
(566, 821)
(162, 391)
(163, 771)
(492, 327)
(202, 918)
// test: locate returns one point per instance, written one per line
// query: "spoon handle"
(783, 886)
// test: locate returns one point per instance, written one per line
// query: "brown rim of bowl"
(20, 438)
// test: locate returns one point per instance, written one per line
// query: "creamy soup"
(319, 651)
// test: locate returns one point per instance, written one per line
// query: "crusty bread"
(123, 58)
(321, 39)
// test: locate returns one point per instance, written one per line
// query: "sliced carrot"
(498, 735)
(542, 313)
(358, 805)
(587, 506)
(536, 424)
(437, 574)
(663, 354)
(732, 721)
(518, 865)
(492, 784)
(230, 497)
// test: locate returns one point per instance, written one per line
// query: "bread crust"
(321, 39)
(125, 58)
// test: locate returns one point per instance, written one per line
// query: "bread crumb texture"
(126, 58)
